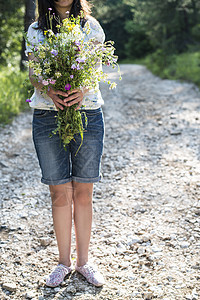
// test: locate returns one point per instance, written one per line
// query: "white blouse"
(91, 100)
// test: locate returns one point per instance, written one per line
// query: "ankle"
(67, 263)
(81, 263)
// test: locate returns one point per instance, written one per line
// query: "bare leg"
(61, 196)
(82, 212)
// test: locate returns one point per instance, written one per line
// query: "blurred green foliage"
(13, 93)
(184, 66)
(170, 25)
(11, 31)
(113, 16)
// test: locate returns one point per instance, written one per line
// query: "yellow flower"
(113, 86)
(46, 64)
(45, 32)
(31, 63)
(57, 74)
(47, 71)
(41, 55)
(37, 71)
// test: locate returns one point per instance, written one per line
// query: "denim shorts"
(58, 165)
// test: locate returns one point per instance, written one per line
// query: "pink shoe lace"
(91, 273)
(58, 275)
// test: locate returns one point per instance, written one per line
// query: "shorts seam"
(86, 180)
(56, 182)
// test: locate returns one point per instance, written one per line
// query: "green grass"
(185, 66)
(13, 93)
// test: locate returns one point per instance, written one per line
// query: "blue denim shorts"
(58, 165)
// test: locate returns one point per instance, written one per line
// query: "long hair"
(78, 6)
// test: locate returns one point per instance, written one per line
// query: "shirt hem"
(53, 109)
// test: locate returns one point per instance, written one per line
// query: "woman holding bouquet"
(69, 174)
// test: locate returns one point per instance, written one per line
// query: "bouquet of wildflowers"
(65, 61)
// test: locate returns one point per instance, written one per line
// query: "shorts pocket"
(40, 112)
(93, 112)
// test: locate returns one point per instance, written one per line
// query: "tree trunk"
(195, 12)
(29, 18)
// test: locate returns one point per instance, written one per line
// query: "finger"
(74, 91)
(61, 93)
(57, 99)
(74, 101)
(58, 106)
(79, 105)
(72, 97)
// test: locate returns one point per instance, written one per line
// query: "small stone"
(184, 244)
(30, 295)
(134, 240)
(9, 286)
(188, 296)
(141, 250)
(45, 241)
(156, 248)
(148, 295)
(71, 289)
(145, 238)
(17, 260)
(3, 164)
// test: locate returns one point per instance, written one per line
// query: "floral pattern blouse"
(91, 100)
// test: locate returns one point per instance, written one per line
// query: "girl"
(70, 177)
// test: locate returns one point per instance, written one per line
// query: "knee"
(84, 199)
(61, 197)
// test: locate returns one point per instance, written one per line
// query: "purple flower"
(80, 60)
(67, 87)
(77, 43)
(49, 8)
(71, 76)
(54, 52)
(52, 81)
(28, 100)
(45, 82)
(73, 67)
(78, 67)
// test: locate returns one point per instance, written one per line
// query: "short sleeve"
(96, 30)
(32, 36)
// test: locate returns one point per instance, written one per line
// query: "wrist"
(49, 91)
(84, 90)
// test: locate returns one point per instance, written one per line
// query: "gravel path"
(146, 233)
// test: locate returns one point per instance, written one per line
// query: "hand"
(56, 100)
(76, 97)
